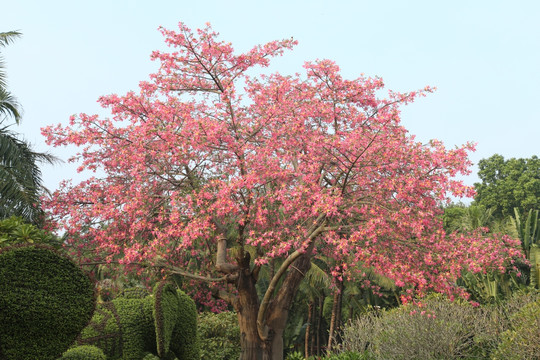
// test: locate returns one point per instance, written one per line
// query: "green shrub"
(185, 339)
(492, 321)
(439, 329)
(45, 302)
(350, 355)
(135, 293)
(297, 355)
(122, 328)
(521, 341)
(220, 336)
(104, 331)
(15, 230)
(84, 352)
(133, 326)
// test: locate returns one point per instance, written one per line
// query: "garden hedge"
(85, 352)
(135, 326)
(45, 302)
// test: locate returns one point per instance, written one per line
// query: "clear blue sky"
(483, 56)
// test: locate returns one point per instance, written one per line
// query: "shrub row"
(440, 329)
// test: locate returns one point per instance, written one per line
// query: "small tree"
(213, 173)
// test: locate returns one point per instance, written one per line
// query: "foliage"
(521, 340)
(8, 104)
(45, 301)
(508, 184)
(185, 339)
(493, 320)
(219, 336)
(491, 287)
(132, 326)
(84, 352)
(434, 329)
(20, 177)
(529, 235)
(15, 230)
(217, 173)
(347, 355)
(135, 293)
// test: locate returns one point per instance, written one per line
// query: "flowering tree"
(213, 173)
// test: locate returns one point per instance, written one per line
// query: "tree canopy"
(508, 184)
(213, 170)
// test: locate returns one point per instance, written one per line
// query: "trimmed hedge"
(84, 352)
(184, 341)
(220, 336)
(122, 328)
(45, 301)
(136, 326)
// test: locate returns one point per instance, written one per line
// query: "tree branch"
(316, 229)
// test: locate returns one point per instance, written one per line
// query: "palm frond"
(20, 177)
(8, 37)
(9, 106)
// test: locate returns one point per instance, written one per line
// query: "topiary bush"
(132, 327)
(45, 302)
(185, 340)
(84, 352)
(219, 336)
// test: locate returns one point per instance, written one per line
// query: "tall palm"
(20, 177)
(9, 107)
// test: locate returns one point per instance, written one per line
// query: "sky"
(483, 57)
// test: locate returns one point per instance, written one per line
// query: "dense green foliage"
(84, 352)
(45, 301)
(185, 340)
(165, 312)
(521, 340)
(15, 230)
(134, 326)
(219, 336)
(440, 329)
(508, 184)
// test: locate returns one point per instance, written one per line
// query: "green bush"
(132, 327)
(135, 293)
(220, 336)
(45, 302)
(122, 328)
(522, 340)
(347, 355)
(185, 339)
(15, 230)
(84, 352)
(438, 330)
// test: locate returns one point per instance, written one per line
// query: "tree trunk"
(319, 321)
(308, 329)
(336, 314)
(247, 306)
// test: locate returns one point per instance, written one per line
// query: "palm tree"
(20, 177)
(9, 107)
